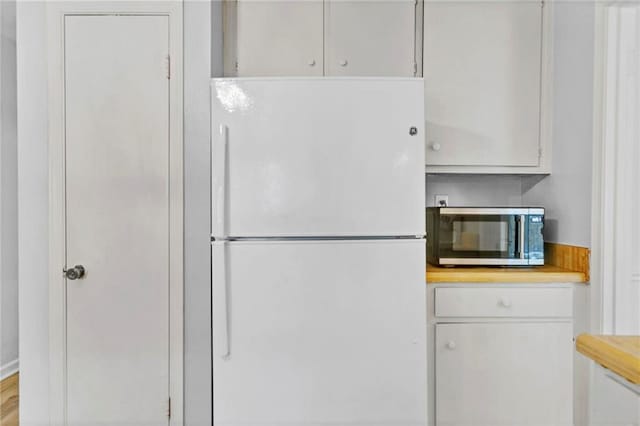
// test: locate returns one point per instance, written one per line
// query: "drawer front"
(504, 302)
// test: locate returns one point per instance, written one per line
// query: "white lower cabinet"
(501, 371)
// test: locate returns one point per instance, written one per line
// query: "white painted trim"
(546, 89)
(603, 268)
(597, 195)
(610, 203)
(9, 369)
(57, 311)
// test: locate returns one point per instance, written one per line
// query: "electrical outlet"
(441, 200)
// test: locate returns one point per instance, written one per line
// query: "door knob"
(451, 345)
(74, 273)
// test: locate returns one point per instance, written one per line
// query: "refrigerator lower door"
(318, 157)
(320, 333)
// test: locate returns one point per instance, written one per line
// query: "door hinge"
(415, 68)
(169, 408)
(539, 153)
(168, 67)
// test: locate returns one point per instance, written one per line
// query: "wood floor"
(9, 401)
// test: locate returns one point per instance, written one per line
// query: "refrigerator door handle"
(220, 302)
(219, 153)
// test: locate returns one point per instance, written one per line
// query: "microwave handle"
(521, 231)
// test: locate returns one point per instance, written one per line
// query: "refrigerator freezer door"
(323, 333)
(318, 157)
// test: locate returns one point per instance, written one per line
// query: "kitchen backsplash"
(475, 190)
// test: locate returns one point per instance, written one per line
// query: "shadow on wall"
(475, 190)
(550, 230)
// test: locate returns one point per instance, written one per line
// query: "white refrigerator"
(318, 252)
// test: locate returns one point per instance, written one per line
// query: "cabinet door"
(370, 38)
(279, 38)
(504, 374)
(482, 71)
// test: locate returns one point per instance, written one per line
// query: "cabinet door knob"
(451, 345)
(435, 146)
(343, 63)
(505, 302)
(312, 62)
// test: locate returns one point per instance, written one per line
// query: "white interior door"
(117, 218)
(318, 157)
(319, 333)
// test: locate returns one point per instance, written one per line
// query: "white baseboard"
(9, 368)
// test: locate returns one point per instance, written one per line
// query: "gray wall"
(8, 191)
(475, 190)
(197, 356)
(33, 210)
(566, 193)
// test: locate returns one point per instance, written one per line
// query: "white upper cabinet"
(370, 38)
(275, 38)
(313, 38)
(484, 86)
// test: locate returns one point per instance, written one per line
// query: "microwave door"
(482, 239)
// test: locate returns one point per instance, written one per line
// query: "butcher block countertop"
(536, 274)
(620, 354)
(565, 264)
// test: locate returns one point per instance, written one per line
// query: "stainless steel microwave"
(498, 236)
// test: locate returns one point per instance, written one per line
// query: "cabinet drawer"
(504, 302)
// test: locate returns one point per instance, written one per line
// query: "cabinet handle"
(435, 147)
(344, 63)
(451, 345)
(504, 301)
(312, 62)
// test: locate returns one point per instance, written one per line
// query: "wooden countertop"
(536, 274)
(620, 354)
